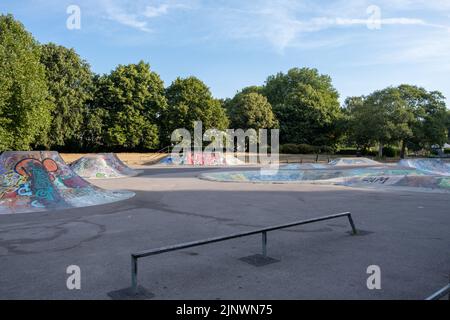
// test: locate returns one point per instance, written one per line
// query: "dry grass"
(152, 158)
(128, 158)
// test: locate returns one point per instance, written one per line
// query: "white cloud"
(130, 20)
(152, 12)
(282, 23)
(137, 14)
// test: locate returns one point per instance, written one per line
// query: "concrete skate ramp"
(33, 181)
(304, 166)
(102, 166)
(372, 177)
(336, 163)
(433, 166)
(203, 159)
(344, 162)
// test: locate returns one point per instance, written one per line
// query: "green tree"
(94, 128)
(429, 124)
(253, 89)
(190, 100)
(383, 118)
(251, 110)
(306, 106)
(448, 126)
(355, 117)
(25, 104)
(133, 97)
(70, 83)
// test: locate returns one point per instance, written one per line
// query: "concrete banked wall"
(418, 175)
(40, 180)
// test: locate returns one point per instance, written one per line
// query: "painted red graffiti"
(21, 167)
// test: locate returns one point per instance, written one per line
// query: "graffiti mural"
(372, 177)
(39, 186)
(433, 166)
(38, 181)
(102, 166)
(203, 159)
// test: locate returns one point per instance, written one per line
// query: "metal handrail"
(158, 153)
(263, 231)
(440, 293)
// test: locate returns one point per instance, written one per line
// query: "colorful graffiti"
(353, 162)
(375, 177)
(202, 159)
(335, 163)
(433, 166)
(39, 181)
(102, 166)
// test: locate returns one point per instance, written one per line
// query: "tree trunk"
(403, 150)
(380, 150)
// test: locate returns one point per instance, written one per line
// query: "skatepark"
(97, 224)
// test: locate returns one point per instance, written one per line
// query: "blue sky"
(363, 45)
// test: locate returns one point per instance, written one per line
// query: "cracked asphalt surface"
(407, 234)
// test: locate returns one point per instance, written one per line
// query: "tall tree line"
(50, 99)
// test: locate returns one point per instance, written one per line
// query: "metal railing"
(445, 291)
(263, 231)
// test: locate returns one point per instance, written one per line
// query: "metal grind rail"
(263, 231)
(445, 291)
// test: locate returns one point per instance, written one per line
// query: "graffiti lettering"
(380, 180)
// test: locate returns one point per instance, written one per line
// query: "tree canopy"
(406, 114)
(190, 100)
(429, 122)
(69, 81)
(251, 110)
(25, 103)
(133, 98)
(306, 106)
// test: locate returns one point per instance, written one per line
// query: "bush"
(306, 149)
(391, 152)
(347, 152)
(289, 148)
(369, 152)
(326, 150)
(292, 148)
(446, 151)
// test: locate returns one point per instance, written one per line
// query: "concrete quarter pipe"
(40, 180)
(102, 166)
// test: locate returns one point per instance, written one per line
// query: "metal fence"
(263, 232)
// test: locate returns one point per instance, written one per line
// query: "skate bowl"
(384, 177)
(351, 162)
(433, 166)
(102, 166)
(203, 159)
(335, 163)
(32, 181)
